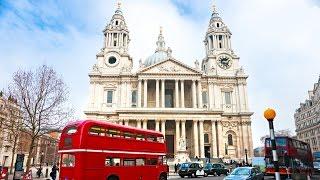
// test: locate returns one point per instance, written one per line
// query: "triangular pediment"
(169, 66)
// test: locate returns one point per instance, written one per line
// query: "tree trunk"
(13, 152)
(30, 153)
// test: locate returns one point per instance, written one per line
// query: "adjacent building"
(204, 105)
(13, 142)
(307, 119)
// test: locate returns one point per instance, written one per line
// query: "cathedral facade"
(205, 106)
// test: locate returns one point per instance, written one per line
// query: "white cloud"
(276, 40)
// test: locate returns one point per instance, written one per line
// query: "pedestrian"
(53, 173)
(175, 168)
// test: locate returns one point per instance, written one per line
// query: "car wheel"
(205, 175)
(194, 175)
(163, 177)
(218, 174)
(181, 176)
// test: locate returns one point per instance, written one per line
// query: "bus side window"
(128, 135)
(114, 133)
(97, 130)
(152, 161)
(152, 138)
(128, 162)
(112, 161)
(140, 162)
(140, 137)
(160, 139)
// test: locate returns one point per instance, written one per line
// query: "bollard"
(47, 171)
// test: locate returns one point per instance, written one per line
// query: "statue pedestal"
(181, 157)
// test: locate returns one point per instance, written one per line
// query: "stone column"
(163, 127)
(182, 93)
(241, 149)
(126, 122)
(195, 138)
(183, 129)
(244, 136)
(210, 96)
(213, 139)
(145, 93)
(245, 97)
(220, 140)
(241, 97)
(199, 94)
(194, 98)
(177, 134)
(139, 93)
(201, 138)
(250, 146)
(157, 94)
(145, 123)
(177, 93)
(120, 121)
(138, 123)
(157, 124)
(162, 93)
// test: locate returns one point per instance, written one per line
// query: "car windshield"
(241, 171)
(185, 165)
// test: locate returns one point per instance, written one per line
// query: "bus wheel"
(113, 178)
(163, 177)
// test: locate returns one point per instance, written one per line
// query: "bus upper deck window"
(160, 139)
(128, 135)
(114, 133)
(140, 137)
(152, 138)
(97, 130)
(71, 130)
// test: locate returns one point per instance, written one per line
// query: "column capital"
(177, 120)
(213, 120)
(201, 120)
(163, 120)
(157, 120)
(183, 120)
(195, 120)
(176, 80)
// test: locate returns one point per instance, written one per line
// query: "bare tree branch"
(43, 96)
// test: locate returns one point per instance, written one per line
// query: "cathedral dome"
(160, 54)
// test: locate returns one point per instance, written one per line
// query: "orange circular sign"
(269, 114)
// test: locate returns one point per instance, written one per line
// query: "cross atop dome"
(118, 11)
(214, 9)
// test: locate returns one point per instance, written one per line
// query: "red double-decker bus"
(294, 156)
(99, 150)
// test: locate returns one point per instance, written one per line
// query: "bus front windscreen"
(279, 142)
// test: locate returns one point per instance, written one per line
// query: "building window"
(134, 97)
(109, 97)
(205, 97)
(230, 140)
(227, 96)
(206, 138)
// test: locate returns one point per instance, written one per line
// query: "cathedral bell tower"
(113, 57)
(220, 58)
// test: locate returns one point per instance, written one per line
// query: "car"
(245, 173)
(191, 170)
(316, 167)
(215, 169)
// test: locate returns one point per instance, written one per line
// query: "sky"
(277, 42)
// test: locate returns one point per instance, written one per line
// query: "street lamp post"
(246, 152)
(41, 158)
(270, 114)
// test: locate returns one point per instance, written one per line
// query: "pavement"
(34, 173)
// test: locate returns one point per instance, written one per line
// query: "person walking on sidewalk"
(53, 173)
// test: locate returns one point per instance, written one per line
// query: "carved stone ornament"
(170, 68)
(182, 144)
(229, 124)
(95, 68)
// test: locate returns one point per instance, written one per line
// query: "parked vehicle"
(316, 166)
(215, 169)
(191, 170)
(245, 173)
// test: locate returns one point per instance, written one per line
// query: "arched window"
(230, 141)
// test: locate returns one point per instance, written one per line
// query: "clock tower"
(220, 58)
(113, 57)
